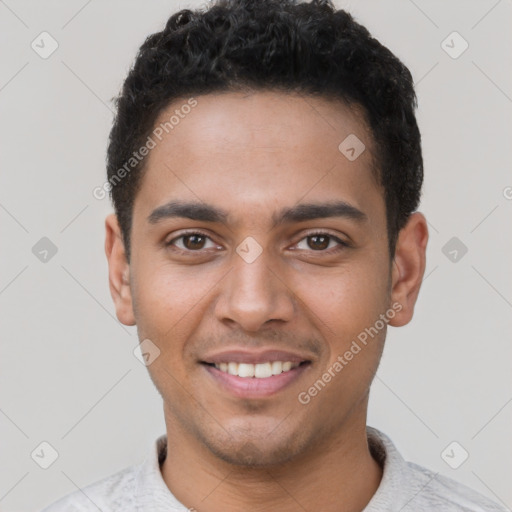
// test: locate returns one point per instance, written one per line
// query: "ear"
(118, 271)
(408, 267)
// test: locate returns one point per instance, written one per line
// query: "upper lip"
(254, 357)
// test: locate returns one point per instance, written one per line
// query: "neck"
(338, 474)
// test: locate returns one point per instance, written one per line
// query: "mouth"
(247, 375)
(256, 371)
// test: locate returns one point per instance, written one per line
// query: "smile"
(257, 371)
(255, 381)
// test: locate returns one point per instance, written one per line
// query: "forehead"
(261, 150)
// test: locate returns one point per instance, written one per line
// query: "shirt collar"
(394, 473)
(152, 493)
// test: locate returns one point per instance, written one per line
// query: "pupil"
(193, 241)
(318, 242)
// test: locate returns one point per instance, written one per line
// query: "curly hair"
(283, 45)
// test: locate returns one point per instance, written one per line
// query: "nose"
(253, 294)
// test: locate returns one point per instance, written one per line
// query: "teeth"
(277, 367)
(262, 371)
(258, 371)
(245, 370)
(232, 368)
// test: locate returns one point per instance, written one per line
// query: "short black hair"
(284, 45)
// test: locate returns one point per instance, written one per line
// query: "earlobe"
(118, 271)
(408, 267)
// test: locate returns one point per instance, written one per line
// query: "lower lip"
(251, 387)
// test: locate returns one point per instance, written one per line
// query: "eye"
(192, 242)
(321, 242)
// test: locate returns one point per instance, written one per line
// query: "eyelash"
(183, 235)
(340, 247)
(341, 244)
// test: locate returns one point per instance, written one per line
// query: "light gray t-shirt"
(405, 487)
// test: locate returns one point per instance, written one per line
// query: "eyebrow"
(194, 211)
(298, 213)
(311, 211)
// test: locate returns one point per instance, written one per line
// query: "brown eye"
(192, 242)
(318, 242)
(321, 242)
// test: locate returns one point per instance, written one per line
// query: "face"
(258, 247)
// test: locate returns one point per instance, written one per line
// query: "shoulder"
(409, 487)
(443, 493)
(112, 493)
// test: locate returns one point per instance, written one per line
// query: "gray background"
(68, 375)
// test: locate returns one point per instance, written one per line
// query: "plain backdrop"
(68, 374)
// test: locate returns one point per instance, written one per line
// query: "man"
(265, 167)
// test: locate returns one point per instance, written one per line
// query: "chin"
(257, 449)
(254, 455)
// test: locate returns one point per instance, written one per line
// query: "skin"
(253, 155)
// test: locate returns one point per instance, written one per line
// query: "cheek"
(156, 300)
(346, 307)
(169, 305)
(163, 293)
(158, 308)
(345, 300)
